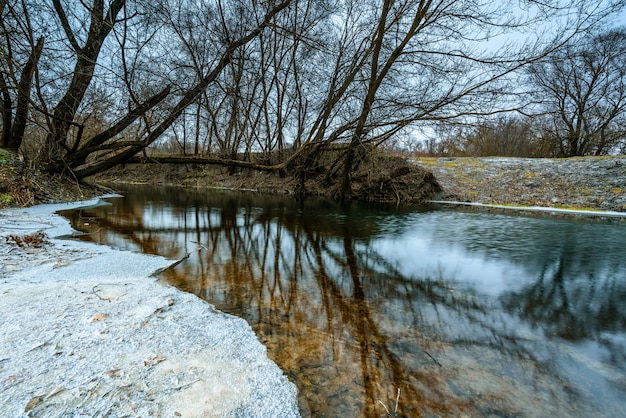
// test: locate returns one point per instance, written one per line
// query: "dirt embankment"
(21, 186)
(378, 178)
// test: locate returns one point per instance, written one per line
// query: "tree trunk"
(375, 80)
(346, 181)
(23, 97)
(13, 127)
(87, 56)
(7, 113)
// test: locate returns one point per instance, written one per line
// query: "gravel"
(86, 331)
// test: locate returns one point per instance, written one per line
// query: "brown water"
(464, 313)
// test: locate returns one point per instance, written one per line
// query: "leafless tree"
(19, 62)
(109, 47)
(285, 80)
(248, 31)
(582, 90)
(504, 135)
(397, 64)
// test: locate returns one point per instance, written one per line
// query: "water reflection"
(465, 313)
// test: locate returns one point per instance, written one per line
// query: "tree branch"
(186, 100)
(92, 144)
(66, 25)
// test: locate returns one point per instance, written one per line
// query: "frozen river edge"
(86, 331)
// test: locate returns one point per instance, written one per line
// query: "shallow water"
(465, 313)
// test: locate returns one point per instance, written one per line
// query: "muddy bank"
(87, 331)
(378, 178)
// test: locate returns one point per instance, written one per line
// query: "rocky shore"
(86, 331)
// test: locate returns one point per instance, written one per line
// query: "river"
(375, 310)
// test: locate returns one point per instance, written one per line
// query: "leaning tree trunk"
(23, 97)
(57, 145)
(13, 127)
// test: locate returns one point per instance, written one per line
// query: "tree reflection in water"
(457, 310)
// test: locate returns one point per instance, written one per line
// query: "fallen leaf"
(11, 378)
(32, 404)
(153, 361)
(99, 317)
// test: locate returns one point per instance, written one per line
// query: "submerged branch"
(171, 266)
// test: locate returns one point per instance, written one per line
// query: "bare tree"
(286, 79)
(352, 75)
(101, 23)
(82, 61)
(425, 61)
(19, 61)
(582, 90)
(505, 135)
(125, 151)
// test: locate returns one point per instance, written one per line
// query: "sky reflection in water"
(466, 313)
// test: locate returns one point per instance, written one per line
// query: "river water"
(368, 309)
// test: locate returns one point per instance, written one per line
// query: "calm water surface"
(465, 313)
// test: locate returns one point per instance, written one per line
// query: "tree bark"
(7, 113)
(23, 97)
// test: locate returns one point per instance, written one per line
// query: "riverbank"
(86, 330)
(572, 184)
(575, 184)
